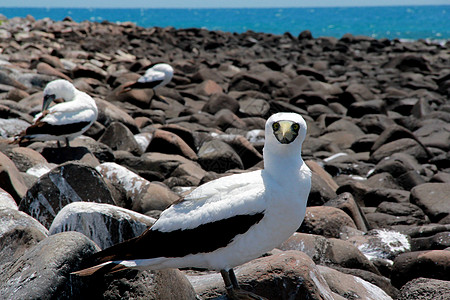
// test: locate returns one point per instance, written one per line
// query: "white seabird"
(63, 121)
(228, 221)
(157, 76)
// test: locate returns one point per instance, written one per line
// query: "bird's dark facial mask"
(48, 99)
(285, 131)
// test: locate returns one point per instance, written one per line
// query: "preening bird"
(157, 76)
(65, 120)
(228, 221)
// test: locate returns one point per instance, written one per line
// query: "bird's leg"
(159, 98)
(58, 143)
(67, 143)
(227, 280)
(233, 279)
(233, 290)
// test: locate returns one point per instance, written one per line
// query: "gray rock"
(118, 137)
(425, 289)
(433, 199)
(350, 287)
(65, 184)
(218, 156)
(11, 127)
(43, 271)
(152, 285)
(60, 155)
(403, 209)
(220, 101)
(359, 109)
(438, 241)
(18, 233)
(101, 151)
(104, 224)
(376, 196)
(6, 200)
(406, 145)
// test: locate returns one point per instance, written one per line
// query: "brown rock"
(433, 198)
(325, 220)
(430, 264)
(329, 251)
(109, 113)
(10, 178)
(351, 286)
(208, 88)
(316, 168)
(167, 142)
(284, 275)
(46, 69)
(24, 158)
(346, 203)
(219, 101)
(119, 137)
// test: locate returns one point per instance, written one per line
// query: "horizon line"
(231, 7)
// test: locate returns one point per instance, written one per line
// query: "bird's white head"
(58, 89)
(166, 69)
(285, 129)
(284, 135)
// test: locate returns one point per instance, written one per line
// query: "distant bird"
(157, 76)
(228, 221)
(64, 121)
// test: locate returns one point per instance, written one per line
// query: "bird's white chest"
(285, 210)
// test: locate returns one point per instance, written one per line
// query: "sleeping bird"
(157, 76)
(228, 221)
(64, 121)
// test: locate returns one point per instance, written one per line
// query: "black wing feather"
(178, 243)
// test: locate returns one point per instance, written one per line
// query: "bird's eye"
(295, 126)
(276, 126)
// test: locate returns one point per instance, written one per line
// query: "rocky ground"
(378, 114)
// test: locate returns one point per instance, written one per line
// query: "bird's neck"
(282, 164)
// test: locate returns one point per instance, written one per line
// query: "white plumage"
(157, 76)
(244, 215)
(63, 121)
(159, 72)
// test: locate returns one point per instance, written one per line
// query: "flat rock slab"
(105, 224)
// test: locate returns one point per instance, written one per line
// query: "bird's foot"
(240, 294)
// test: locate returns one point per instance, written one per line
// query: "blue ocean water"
(404, 22)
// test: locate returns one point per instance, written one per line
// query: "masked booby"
(64, 121)
(157, 76)
(228, 221)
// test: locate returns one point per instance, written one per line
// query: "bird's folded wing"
(152, 75)
(197, 225)
(223, 198)
(178, 243)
